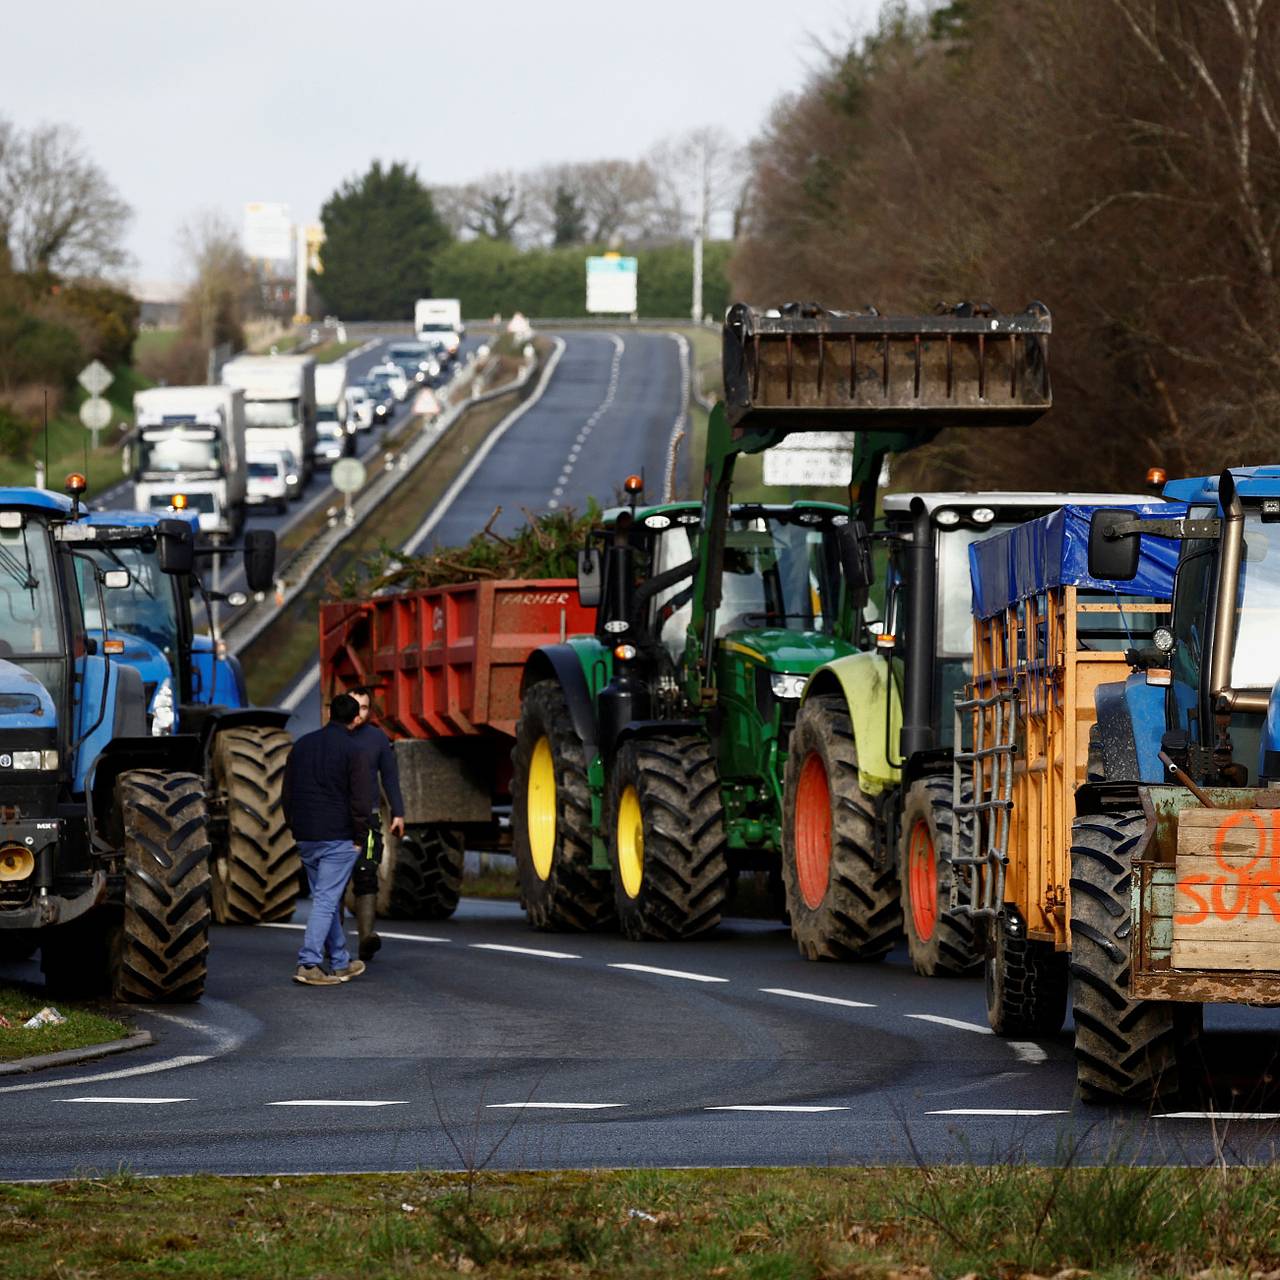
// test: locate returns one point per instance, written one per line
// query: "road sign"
(348, 475)
(268, 232)
(814, 459)
(611, 285)
(95, 413)
(95, 377)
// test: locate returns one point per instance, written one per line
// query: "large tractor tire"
(159, 950)
(667, 844)
(256, 872)
(420, 875)
(939, 940)
(551, 819)
(842, 905)
(1125, 1049)
(1026, 985)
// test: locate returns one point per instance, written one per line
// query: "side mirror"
(259, 559)
(175, 546)
(1113, 557)
(590, 578)
(855, 555)
(115, 579)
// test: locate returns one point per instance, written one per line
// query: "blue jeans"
(328, 864)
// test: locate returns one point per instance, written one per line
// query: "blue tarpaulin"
(1053, 551)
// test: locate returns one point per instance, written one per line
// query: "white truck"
(331, 393)
(279, 405)
(438, 322)
(187, 451)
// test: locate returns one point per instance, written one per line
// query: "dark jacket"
(375, 746)
(328, 792)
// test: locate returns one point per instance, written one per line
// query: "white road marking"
(779, 1107)
(141, 1102)
(523, 951)
(337, 1102)
(169, 1064)
(351, 933)
(668, 973)
(806, 995)
(951, 1022)
(1218, 1115)
(997, 1111)
(552, 1106)
(1028, 1051)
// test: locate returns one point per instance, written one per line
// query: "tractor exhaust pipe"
(1221, 694)
(922, 625)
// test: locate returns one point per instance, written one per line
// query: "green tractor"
(651, 756)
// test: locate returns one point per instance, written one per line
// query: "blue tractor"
(1175, 857)
(194, 687)
(105, 823)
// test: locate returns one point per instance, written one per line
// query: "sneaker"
(311, 975)
(353, 970)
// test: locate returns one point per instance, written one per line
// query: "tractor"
(650, 756)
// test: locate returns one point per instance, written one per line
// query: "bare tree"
(698, 175)
(214, 305)
(58, 210)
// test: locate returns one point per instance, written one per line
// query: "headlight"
(162, 710)
(787, 686)
(947, 518)
(26, 759)
(982, 515)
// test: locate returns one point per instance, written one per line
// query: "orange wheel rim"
(922, 881)
(813, 831)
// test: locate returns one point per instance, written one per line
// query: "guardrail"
(299, 570)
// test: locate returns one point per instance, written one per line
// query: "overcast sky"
(188, 104)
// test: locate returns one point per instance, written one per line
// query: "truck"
(927, 614)
(662, 757)
(279, 405)
(444, 665)
(331, 393)
(438, 323)
(187, 451)
(1051, 633)
(1175, 877)
(104, 828)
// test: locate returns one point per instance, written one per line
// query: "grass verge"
(274, 660)
(85, 1025)
(845, 1224)
(327, 352)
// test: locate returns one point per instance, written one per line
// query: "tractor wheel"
(1125, 1049)
(1026, 983)
(667, 845)
(256, 872)
(159, 950)
(939, 940)
(551, 819)
(842, 905)
(420, 875)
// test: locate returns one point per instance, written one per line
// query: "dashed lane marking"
(807, 995)
(552, 1106)
(772, 1107)
(1024, 1050)
(399, 937)
(998, 1111)
(668, 973)
(340, 1102)
(140, 1102)
(1028, 1051)
(1218, 1115)
(523, 951)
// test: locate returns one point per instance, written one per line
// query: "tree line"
(1117, 159)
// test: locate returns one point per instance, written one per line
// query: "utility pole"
(301, 315)
(699, 230)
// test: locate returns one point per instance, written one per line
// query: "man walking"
(381, 759)
(328, 804)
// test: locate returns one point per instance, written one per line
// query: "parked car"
(360, 409)
(267, 482)
(331, 443)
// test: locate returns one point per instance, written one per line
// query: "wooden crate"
(1226, 905)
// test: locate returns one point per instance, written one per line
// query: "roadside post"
(95, 413)
(348, 478)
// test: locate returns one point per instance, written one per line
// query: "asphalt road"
(478, 1042)
(608, 411)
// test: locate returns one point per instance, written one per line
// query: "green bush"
(111, 316)
(33, 349)
(15, 435)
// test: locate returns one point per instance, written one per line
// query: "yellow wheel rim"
(630, 843)
(541, 808)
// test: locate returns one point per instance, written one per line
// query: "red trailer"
(445, 665)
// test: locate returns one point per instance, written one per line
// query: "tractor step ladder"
(985, 738)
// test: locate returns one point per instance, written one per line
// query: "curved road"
(477, 1041)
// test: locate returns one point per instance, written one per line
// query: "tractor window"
(955, 590)
(28, 594)
(778, 573)
(1191, 590)
(1256, 664)
(145, 609)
